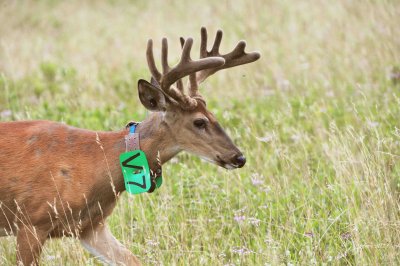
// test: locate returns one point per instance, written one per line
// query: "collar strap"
(132, 142)
(132, 139)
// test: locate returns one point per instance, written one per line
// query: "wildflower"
(283, 84)
(5, 113)
(239, 218)
(241, 250)
(330, 94)
(53, 257)
(152, 243)
(309, 234)
(267, 189)
(345, 236)
(256, 181)
(266, 138)
(372, 124)
(295, 137)
(254, 221)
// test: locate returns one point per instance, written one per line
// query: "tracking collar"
(138, 177)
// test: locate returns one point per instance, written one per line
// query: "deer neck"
(157, 140)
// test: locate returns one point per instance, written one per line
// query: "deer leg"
(101, 243)
(30, 241)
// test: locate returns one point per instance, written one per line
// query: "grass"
(317, 117)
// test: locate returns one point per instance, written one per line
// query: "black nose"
(240, 160)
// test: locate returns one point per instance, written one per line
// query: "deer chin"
(218, 161)
(225, 165)
(230, 166)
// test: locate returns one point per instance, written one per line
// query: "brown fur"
(45, 179)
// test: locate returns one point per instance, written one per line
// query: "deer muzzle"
(236, 161)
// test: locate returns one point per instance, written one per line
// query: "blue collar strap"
(132, 128)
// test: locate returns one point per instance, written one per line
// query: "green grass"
(317, 117)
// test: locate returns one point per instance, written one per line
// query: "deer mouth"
(219, 161)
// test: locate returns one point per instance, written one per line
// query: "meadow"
(317, 118)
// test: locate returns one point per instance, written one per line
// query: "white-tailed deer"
(57, 180)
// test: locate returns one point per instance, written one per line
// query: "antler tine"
(239, 57)
(203, 42)
(179, 83)
(193, 86)
(217, 42)
(164, 56)
(150, 61)
(235, 58)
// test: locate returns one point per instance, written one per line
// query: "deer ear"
(152, 97)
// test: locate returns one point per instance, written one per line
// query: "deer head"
(194, 128)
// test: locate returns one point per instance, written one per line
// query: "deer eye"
(200, 123)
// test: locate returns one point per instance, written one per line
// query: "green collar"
(138, 177)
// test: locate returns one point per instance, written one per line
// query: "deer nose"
(240, 160)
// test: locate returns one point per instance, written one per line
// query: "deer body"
(57, 180)
(73, 179)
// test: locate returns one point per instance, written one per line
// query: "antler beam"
(186, 66)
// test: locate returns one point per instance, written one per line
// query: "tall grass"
(317, 117)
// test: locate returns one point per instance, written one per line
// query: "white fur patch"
(95, 253)
(230, 166)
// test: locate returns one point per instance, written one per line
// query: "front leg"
(30, 240)
(101, 243)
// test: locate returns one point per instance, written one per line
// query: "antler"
(235, 58)
(186, 66)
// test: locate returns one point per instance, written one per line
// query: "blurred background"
(317, 117)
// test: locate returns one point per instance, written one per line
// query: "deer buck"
(58, 181)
